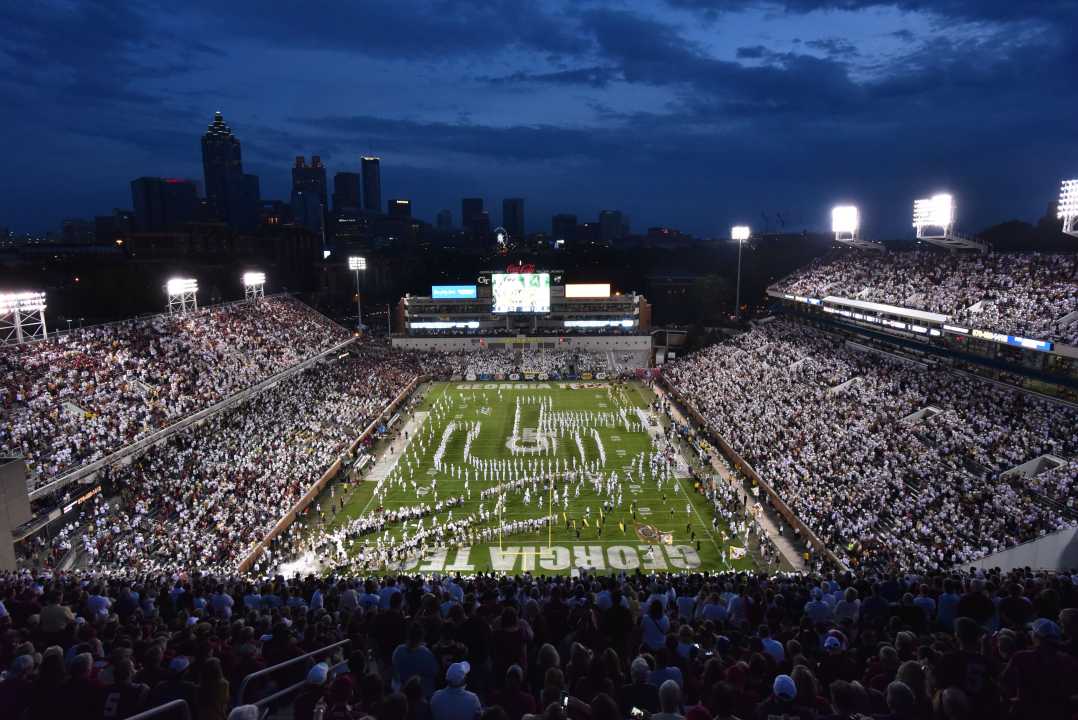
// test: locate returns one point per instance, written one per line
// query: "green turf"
(557, 548)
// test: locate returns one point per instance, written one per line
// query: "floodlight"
(254, 278)
(22, 317)
(1068, 199)
(357, 263)
(845, 219)
(740, 233)
(178, 286)
(936, 211)
(21, 302)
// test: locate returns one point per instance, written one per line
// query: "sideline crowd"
(836, 433)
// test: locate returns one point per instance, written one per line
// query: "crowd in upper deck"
(83, 394)
(1026, 294)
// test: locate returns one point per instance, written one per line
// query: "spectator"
(454, 702)
(513, 698)
(782, 701)
(1038, 678)
(669, 702)
(414, 659)
(213, 692)
(313, 692)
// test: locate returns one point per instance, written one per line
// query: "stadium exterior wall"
(308, 497)
(741, 464)
(591, 343)
(1057, 551)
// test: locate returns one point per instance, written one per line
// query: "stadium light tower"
(1068, 207)
(182, 295)
(357, 263)
(846, 224)
(254, 286)
(934, 217)
(22, 317)
(740, 233)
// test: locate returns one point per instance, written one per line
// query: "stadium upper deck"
(81, 395)
(1028, 295)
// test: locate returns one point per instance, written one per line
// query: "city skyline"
(677, 113)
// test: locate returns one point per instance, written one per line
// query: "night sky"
(690, 113)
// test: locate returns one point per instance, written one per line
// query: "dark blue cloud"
(965, 10)
(578, 106)
(595, 76)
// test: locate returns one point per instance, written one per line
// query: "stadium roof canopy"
(921, 315)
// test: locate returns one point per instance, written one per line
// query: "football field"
(540, 477)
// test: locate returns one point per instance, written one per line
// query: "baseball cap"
(179, 664)
(1045, 628)
(318, 674)
(832, 643)
(457, 673)
(784, 687)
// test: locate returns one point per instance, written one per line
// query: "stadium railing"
(166, 709)
(308, 497)
(741, 464)
(246, 682)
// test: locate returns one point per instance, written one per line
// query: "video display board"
(521, 292)
(453, 292)
(587, 290)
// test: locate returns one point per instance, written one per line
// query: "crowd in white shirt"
(81, 395)
(494, 362)
(1024, 294)
(204, 497)
(830, 429)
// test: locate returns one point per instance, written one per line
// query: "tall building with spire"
(232, 197)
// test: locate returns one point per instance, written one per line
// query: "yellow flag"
(621, 525)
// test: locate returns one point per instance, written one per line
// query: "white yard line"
(388, 462)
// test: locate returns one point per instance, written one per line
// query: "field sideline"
(597, 439)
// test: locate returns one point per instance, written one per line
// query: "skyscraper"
(470, 208)
(345, 191)
(613, 226)
(513, 217)
(228, 192)
(309, 178)
(563, 227)
(309, 193)
(474, 219)
(445, 219)
(163, 204)
(399, 207)
(372, 184)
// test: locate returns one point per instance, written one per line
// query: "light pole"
(356, 264)
(740, 233)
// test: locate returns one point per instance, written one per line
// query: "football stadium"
(529, 479)
(317, 460)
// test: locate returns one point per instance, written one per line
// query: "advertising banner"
(453, 292)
